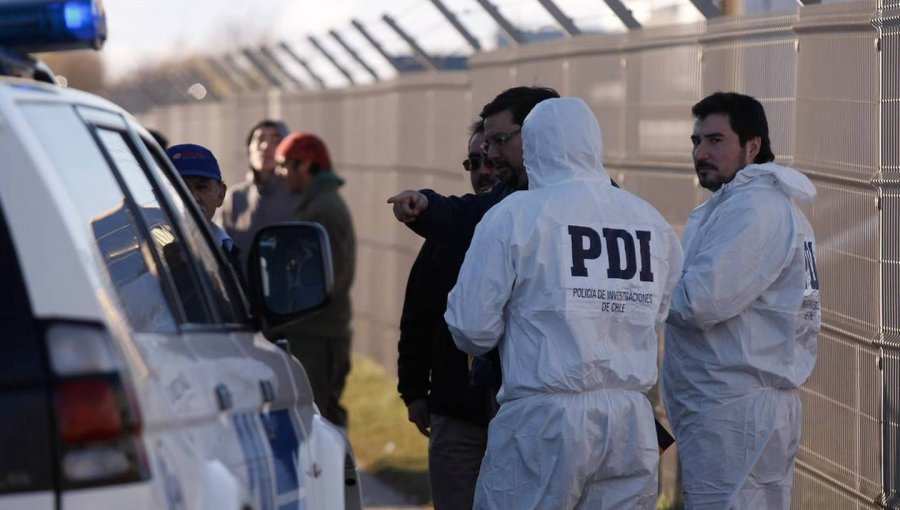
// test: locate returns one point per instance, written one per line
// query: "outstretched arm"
(448, 221)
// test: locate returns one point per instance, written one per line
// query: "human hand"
(417, 411)
(408, 205)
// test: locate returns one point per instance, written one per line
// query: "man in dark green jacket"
(322, 342)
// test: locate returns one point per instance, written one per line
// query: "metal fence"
(888, 183)
(829, 77)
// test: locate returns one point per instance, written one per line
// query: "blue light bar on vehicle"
(51, 25)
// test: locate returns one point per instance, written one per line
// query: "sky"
(144, 32)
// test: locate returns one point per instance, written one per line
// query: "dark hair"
(745, 115)
(519, 101)
(278, 125)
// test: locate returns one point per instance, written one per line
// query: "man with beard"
(741, 334)
(448, 407)
(262, 199)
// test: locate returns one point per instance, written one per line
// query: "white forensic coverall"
(571, 279)
(740, 340)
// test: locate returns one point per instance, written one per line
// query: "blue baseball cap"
(193, 160)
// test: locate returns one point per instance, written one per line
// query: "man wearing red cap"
(322, 342)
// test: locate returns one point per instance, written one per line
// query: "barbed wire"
(425, 28)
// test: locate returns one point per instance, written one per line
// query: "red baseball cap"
(305, 147)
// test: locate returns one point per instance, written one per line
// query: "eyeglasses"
(499, 140)
(474, 163)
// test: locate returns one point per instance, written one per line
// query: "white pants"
(594, 450)
(740, 454)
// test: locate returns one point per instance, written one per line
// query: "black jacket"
(429, 364)
(450, 221)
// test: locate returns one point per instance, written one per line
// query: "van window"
(166, 239)
(105, 213)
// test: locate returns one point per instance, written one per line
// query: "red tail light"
(98, 421)
(88, 411)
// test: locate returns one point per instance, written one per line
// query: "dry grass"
(386, 444)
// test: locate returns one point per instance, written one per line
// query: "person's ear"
(754, 145)
(222, 189)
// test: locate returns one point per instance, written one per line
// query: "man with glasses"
(444, 403)
(482, 172)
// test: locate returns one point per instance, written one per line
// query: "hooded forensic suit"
(571, 278)
(740, 340)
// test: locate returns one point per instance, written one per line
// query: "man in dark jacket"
(322, 341)
(434, 382)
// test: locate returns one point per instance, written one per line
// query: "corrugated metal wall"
(829, 77)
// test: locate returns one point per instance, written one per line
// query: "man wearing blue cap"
(200, 172)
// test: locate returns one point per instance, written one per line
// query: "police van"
(134, 373)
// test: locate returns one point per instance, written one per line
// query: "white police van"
(133, 372)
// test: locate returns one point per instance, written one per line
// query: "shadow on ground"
(378, 495)
(413, 483)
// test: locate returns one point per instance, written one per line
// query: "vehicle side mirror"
(290, 274)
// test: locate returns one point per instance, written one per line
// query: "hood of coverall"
(791, 182)
(562, 141)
